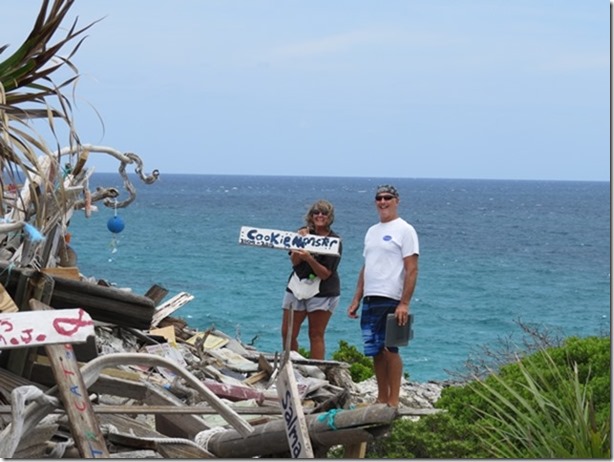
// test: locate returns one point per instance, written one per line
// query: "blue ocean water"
(492, 252)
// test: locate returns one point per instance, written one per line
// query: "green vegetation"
(32, 81)
(361, 366)
(550, 401)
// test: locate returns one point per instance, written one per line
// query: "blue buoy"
(115, 224)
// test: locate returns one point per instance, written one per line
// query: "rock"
(413, 394)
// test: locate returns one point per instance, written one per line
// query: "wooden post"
(30, 285)
(83, 423)
(355, 451)
(294, 418)
(156, 293)
(292, 410)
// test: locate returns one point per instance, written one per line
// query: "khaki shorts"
(310, 304)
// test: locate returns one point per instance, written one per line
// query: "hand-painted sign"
(296, 425)
(29, 328)
(287, 240)
(83, 423)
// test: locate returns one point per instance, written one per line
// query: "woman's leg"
(318, 320)
(298, 318)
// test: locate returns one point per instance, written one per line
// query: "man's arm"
(355, 303)
(409, 284)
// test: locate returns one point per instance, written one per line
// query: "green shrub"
(548, 413)
(361, 366)
(558, 398)
(438, 436)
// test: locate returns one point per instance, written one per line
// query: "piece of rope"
(202, 438)
(330, 415)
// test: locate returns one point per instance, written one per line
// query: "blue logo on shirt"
(387, 237)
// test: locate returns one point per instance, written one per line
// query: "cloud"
(333, 44)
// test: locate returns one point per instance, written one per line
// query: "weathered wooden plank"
(67, 272)
(156, 293)
(294, 418)
(355, 451)
(102, 303)
(233, 392)
(179, 426)
(83, 423)
(287, 240)
(170, 306)
(35, 445)
(166, 409)
(174, 451)
(38, 328)
(7, 305)
(107, 304)
(352, 426)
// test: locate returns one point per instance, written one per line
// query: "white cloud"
(334, 44)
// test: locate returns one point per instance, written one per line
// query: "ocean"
(493, 253)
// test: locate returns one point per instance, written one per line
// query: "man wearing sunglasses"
(386, 283)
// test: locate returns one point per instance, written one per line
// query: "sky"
(485, 89)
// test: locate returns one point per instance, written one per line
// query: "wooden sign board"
(30, 328)
(294, 418)
(287, 240)
(83, 423)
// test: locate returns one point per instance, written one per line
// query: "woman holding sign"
(313, 286)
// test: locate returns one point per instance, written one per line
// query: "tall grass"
(547, 413)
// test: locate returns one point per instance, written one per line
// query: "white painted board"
(287, 240)
(33, 328)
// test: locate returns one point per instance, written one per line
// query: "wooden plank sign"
(294, 418)
(83, 423)
(287, 240)
(30, 328)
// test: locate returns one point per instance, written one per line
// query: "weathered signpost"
(291, 407)
(292, 410)
(67, 329)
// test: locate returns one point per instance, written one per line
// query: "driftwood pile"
(166, 390)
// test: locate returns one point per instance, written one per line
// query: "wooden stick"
(83, 423)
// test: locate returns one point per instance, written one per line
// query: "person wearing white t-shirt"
(386, 283)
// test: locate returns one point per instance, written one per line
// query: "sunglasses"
(319, 212)
(384, 198)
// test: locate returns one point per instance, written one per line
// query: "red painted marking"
(75, 323)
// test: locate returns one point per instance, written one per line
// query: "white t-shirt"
(386, 244)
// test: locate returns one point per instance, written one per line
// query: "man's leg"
(381, 375)
(394, 370)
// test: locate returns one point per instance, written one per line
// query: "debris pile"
(172, 391)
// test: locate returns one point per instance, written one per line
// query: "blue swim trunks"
(373, 323)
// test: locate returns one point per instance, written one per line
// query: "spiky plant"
(547, 413)
(29, 91)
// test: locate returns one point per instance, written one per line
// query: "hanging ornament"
(116, 225)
